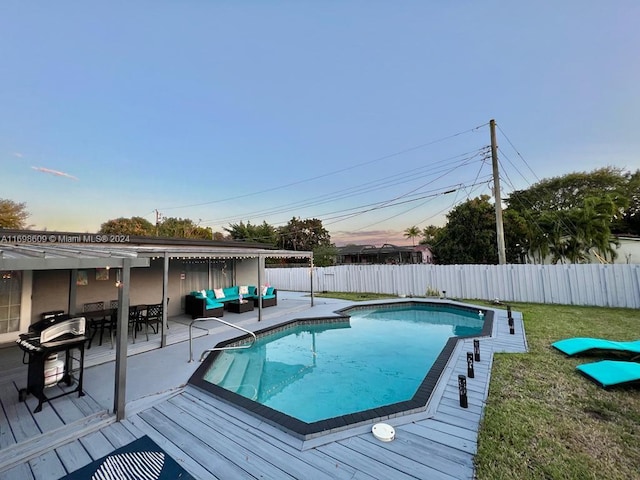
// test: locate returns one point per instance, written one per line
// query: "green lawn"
(545, 421)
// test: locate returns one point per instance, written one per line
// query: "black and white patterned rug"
(142, 459)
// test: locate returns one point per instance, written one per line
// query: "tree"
(516, 236)
(169, 227)
(429, 234)
(182, 228)
(469, 236)
(325, 255)
(264, 233)
(412, 233)
(128, 226)
(630, 221)
(570, 191)
(303, 235)
(571, 235)
(13, 215)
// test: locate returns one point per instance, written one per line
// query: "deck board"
(47, 467)
(409, 457)
(19, 472)
(364, 462)
(199, 451)
(223, 442)
(288, 461)
(73, 456)
(96, 445)
(18, 415)
(138, 427)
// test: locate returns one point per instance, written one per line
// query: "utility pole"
(502, 256)
(158, 217)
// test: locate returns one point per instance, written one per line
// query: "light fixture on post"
(118, 278)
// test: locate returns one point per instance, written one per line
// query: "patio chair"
(100, 323)
(133, 324)
(609, 373)
(586, 345)
(153, 318)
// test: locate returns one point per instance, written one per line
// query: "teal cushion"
(270, 290)
(212, 304)
(230, 291)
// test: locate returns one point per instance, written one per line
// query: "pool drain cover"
(383, 432)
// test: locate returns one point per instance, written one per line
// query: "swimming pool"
(370, 361)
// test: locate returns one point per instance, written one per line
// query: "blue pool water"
(312, 372)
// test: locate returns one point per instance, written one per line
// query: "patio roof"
(70, 251)
(21, 256)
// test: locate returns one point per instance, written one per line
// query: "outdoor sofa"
(211, 303)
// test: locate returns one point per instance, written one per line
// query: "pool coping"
(307, 431)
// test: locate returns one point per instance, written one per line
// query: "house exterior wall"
(51, 289)
(246, 271)
(46, 290)
(50, 292)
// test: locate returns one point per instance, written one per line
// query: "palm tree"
(412, 233)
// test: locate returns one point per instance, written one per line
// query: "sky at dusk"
(371, 116)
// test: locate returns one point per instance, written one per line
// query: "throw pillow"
(264, 290)
(218, 292)
(203, 293)
(244, 290)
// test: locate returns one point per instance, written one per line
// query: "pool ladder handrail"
(215, 349)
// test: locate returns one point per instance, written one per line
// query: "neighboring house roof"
(356, 249)
(372, 249)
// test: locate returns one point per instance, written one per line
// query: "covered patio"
(50, 279)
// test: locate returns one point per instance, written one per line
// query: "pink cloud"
(54, 172)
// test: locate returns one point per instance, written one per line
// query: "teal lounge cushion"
(270, 291)
(607, 373)
(576, 345)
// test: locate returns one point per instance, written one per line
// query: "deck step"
(220, 368)
(27, 450)
(234, 378)
(251, 381)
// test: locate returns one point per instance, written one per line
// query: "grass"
(545, 421)
(355, 297)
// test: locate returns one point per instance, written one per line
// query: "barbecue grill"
(46, 342)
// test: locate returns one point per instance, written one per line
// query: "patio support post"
(165, 301)
(122, 333)
(73, 291)
(259, 287)
(311, 279)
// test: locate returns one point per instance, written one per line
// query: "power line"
(517, 152)
(324, 175)
(372, 186)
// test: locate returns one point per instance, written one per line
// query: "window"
(10, 295)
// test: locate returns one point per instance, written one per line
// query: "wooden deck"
(214, 440)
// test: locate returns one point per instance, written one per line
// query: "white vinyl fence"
(616, 285)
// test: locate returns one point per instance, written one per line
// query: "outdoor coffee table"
(235, 306)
